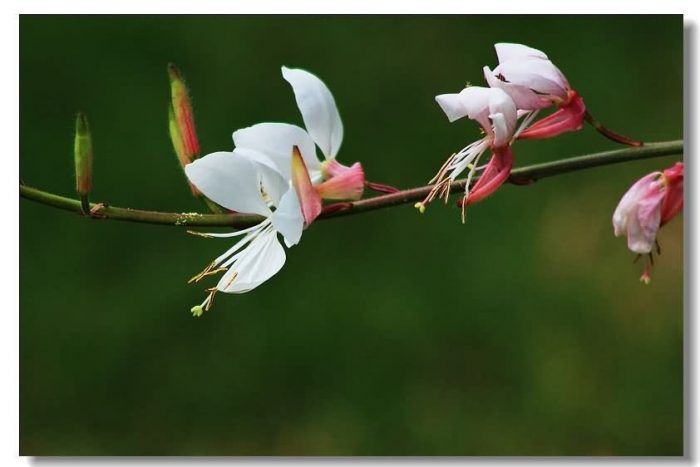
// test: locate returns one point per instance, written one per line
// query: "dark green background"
(523, 332)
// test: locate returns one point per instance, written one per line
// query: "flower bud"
(181, 119)
(649, 204)
(82, 152)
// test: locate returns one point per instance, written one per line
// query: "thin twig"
(520, 176)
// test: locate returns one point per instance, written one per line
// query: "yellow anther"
(197, 311)
(420, 206)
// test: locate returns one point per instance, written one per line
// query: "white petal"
(626, 208)
(233, 182)
(508, 51)
(640, 238)
(475, 100)
(274, 142)
(536, 74)
(318, 110)
(273, 183)
(479, 103)
(452, 105)
(262, 259)
(288, 218)
(471, 102)
(525, 98)
(257, 157)
(504, 117)
(502, 134)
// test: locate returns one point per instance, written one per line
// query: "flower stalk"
(608, 133)
(518, 177)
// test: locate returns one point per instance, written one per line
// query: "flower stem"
(85, 205)
(608, 133)
(519, 176)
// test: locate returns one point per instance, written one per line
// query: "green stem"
(519, 176)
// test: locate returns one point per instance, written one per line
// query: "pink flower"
(534, 83)
(648, 205)
(496, 113)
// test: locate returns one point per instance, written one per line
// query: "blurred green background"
(523, 332)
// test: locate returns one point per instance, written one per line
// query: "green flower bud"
(82, 152)
(181, 119)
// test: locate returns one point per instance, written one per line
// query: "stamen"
(199, 310)
(445, 189)
(199, 234)
(230, 281)
(206, 273)
(525, 123)
(441, 173)
(210, 298)
(646, 273)
(470, 175)
(231, 234)
(464, 208)
(645, 277)
(468, 157)
(202, 274)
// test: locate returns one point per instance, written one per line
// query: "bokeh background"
(523, 332)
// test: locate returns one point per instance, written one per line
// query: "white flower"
(269, 143)
(241, 185)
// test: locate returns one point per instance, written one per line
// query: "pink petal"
(309, 199)
(673, 200)
(494, 175)
(567, 118)
(626, 208)
(347, 183)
